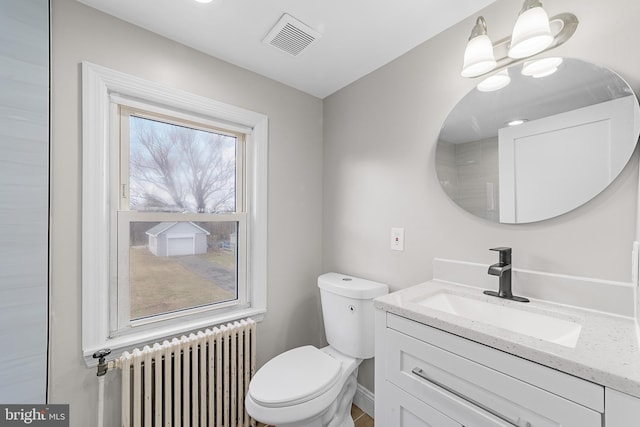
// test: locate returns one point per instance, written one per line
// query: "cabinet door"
(622, 409)
(404, 410)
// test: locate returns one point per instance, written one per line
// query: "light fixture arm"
(530, 4)
(569, 24)
(480, 29)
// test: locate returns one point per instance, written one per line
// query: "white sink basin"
(547, 328)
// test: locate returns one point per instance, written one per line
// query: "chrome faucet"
(503, 270)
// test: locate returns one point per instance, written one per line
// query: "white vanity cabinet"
(621, 410)
(427, 377)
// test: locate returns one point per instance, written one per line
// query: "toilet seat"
(294, 377)
(290, 414)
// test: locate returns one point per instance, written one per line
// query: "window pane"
(180, 169)
(179, 265)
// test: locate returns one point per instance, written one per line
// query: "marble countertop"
(607, 350)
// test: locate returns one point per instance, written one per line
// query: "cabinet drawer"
(568, 386)
(403, 406)
(404, 410)
(437, 377)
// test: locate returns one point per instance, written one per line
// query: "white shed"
(177, 238)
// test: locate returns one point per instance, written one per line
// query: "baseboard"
(364, 400)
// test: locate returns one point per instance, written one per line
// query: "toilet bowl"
(306, 387)
(312, 387)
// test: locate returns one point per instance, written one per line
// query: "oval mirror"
(540, 146)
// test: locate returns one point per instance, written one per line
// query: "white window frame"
(122, 217)
(102, 89)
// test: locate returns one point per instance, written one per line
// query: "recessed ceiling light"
(516, 122)
(204, 1)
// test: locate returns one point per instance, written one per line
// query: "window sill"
(120, 344)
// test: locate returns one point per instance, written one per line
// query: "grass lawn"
(226, 259)
(162, 284)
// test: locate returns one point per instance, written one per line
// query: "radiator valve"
(102, 364)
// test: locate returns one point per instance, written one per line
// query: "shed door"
(180, 246)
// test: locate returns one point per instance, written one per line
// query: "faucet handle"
(501, 249)
(505, 254)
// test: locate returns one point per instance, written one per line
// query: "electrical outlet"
(397, 239)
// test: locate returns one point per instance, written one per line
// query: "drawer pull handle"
(517, 423)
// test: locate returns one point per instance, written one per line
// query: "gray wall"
(379, 147)
(295, 188)
(24, 209)
(465, 170)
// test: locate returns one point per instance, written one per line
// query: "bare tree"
(179, 168)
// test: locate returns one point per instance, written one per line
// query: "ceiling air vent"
(291, 36)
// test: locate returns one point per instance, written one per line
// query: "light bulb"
(478, 55)
(531, 33)
(495, 82)
(541, 67)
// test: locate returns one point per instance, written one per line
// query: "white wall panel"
(24, 199)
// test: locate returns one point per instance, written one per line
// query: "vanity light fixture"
(495, 82)
(478, 56)
(541, 67)
(533, 33)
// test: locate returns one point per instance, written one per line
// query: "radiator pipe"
(103, 367)
(100, 401)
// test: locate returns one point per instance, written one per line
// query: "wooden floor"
(360, 419)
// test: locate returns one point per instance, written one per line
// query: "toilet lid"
(294, 377)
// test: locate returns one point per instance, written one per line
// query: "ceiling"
(356, 36)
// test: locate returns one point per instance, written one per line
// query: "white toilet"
(311, 387)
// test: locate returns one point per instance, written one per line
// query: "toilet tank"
(347, 310)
